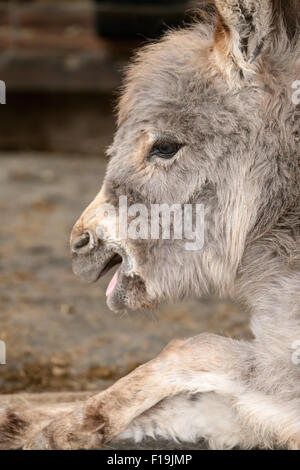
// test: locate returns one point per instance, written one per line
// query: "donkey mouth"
(115, 260)
(126, 289)
(92, 266)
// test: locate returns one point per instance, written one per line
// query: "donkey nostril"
(81, 241)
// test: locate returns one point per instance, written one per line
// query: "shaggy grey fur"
(223, 89)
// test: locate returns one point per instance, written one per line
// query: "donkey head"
(200, 125)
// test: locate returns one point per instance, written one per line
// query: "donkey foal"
(207, 117)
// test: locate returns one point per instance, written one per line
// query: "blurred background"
(62, 62)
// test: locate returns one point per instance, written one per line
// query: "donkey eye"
(165, 149)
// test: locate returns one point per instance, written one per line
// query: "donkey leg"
(201, 364)
(18, 424)
(23, 415)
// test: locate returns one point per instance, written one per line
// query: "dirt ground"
(59, 333)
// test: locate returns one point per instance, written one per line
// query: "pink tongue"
(112, 283)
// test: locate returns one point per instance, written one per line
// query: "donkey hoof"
(66, 433)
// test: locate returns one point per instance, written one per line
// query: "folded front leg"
(206, 363)
(201, 364)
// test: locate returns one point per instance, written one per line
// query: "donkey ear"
(243, 31)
